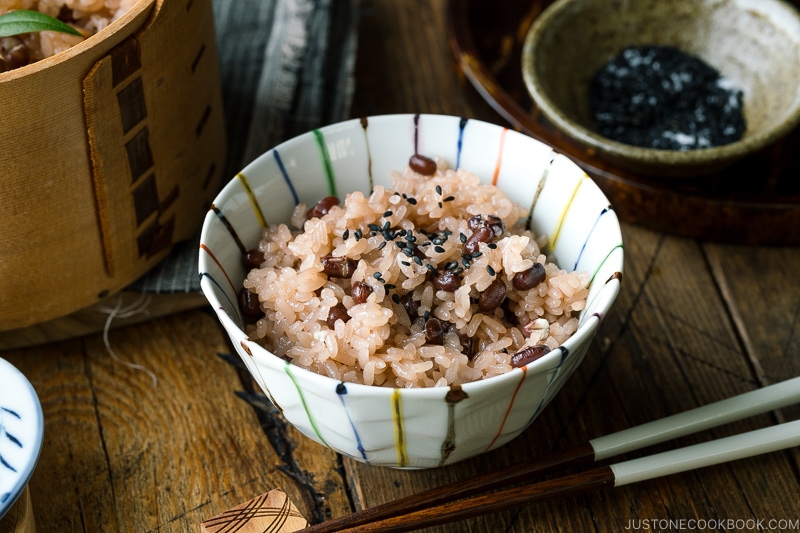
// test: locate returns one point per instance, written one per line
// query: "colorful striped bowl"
(412, 428)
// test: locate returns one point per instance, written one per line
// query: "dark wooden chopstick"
(778, 437)
(443, 501)
(591, 480)
(582, 455)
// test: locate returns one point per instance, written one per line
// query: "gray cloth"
(286, 67)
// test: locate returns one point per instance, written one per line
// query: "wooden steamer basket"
(110, 152)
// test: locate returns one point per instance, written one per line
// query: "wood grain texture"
(695, 322)
(19, 518)
(687, 330)
(121, 454)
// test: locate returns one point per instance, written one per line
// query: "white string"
(139, 306)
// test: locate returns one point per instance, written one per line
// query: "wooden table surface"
(695, 322)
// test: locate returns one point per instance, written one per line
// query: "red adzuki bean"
(337, 312)
(322, 207)
(528, 279)
(360, 292)
(249, 305)
(494, 223)
(252, 258)
(434, 331)
(528, 355)
(410, 305)
(478, 236)
(446, 280)
(339, 267)
(493, 296)
(422, 165)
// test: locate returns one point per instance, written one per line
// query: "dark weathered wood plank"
(761, 290)
(121, 454)
(694, 323)
(642, 376)
(671, 343)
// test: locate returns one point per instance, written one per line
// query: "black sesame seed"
(465, 262)
(358, 234)
(346, 234)
(412, 201)
(438, 240)
(430, 267)
(491, 245)
(374, 227)
(462, 238)
(490, 270)
(377, 275)
(438, 189)
(451, 265)
(386, 226)
(387, 214)
(426, 315)
(439, 204)
(405, 263)
(381, 245)
(400, 244)
(476, 255)
(408, 252)
(390, 286)
(417, 260)
(396, 298)
(449, 199)
(401, 233)
(438, 249)
(426, 243)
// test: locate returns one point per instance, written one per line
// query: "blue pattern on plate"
(21, 433)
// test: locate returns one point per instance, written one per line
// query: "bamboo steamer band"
(112, 152)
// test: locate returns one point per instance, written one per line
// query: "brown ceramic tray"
(756, 201)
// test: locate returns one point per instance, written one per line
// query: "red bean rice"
(379, 344)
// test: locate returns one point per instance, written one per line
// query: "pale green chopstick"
(707, 416)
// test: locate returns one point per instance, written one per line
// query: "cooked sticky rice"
(394, 243)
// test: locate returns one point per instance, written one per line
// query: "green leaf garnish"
(25, 21)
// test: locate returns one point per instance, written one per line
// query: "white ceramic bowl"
(412, 428)
(21, 433)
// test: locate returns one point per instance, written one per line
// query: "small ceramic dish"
(754, 44)
(420, 427)
(21, 434)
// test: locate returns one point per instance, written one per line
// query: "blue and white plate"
(21, 433)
